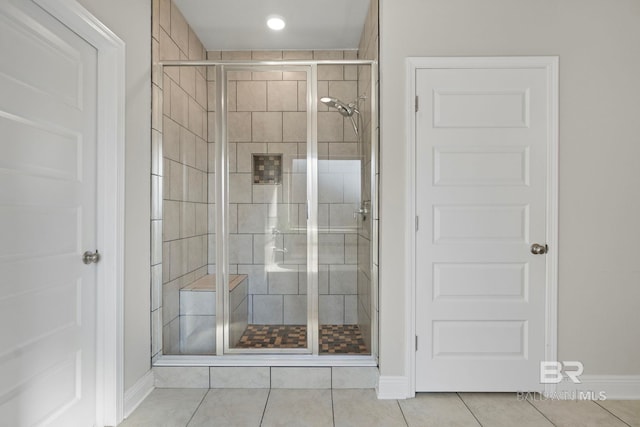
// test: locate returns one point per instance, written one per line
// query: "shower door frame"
(308, 356)
(222, 193)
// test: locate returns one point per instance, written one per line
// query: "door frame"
(109, 203)
(548, 63)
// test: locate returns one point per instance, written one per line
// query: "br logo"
(553, 372)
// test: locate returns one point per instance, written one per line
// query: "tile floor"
(304, 407)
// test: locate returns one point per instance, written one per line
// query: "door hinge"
(417, 223)
(417, 104)
(416, 343)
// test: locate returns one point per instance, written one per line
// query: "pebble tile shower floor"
(334, 339)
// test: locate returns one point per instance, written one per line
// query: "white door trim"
(110, 202)
(550, 63)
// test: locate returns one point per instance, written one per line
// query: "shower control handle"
(91, 257)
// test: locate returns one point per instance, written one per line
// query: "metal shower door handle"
(537, 249)
(91, 257)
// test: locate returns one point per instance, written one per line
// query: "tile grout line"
(264, 411)
(197, 408)
(606, 409)
(402, 412)
(333, 411)
(468, 409)
(540, 411)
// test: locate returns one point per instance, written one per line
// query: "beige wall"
(597, 42)
(131, 21)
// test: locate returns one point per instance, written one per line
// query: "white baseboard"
(136, 394)
(390, 387)
(613, 387)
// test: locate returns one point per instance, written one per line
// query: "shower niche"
(269, 208)
(267, 168)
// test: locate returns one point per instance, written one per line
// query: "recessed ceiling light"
(275, 22)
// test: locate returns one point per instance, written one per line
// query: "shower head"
(346, 110)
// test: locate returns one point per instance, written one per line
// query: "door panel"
(47, 220)
(481, 161)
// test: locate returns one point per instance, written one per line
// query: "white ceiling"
(241, 24)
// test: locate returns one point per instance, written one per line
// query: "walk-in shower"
(268, 242)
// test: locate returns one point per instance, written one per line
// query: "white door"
(47, 220)
(482, 140)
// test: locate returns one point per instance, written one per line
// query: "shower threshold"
(339, 345)
(290, 360)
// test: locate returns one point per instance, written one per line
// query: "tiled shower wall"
(267, 114)
(179, 171)
(368, 228)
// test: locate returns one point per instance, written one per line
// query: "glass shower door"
(266, 301)
(344, 210)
